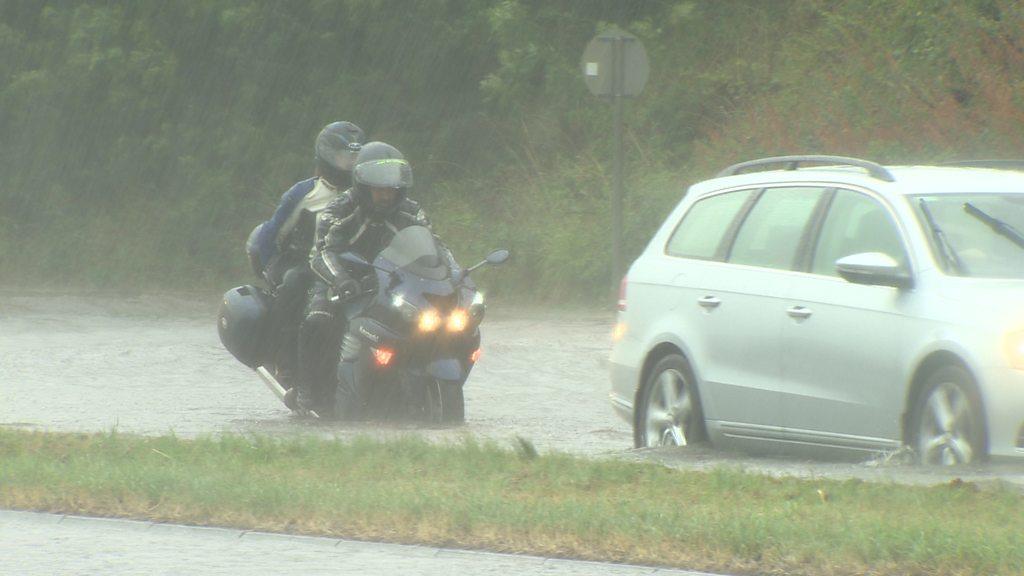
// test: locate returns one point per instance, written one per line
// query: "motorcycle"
(413, 336)
(413, 332)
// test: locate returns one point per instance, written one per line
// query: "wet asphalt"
(154, 365)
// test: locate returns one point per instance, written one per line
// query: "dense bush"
(140, 141)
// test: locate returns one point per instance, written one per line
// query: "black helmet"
(336, 149)
(380, 165)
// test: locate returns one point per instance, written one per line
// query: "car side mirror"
(874, 269)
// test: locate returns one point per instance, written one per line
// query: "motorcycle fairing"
(374, 332)
(448, 369)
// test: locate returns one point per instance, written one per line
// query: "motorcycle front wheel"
(445, 403)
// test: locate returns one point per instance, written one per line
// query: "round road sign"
(615, 62)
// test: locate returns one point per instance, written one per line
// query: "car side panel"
(734, 346)
(840, 364)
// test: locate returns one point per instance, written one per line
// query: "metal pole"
(618, 82)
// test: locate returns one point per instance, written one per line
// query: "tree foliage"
(140, 141)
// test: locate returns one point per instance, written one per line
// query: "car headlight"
(1013, 346)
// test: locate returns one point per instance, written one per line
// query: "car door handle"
(709, 302)
(799, 312)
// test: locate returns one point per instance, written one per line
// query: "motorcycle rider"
(363, 220)
(279, 248)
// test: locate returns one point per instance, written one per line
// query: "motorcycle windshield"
(414, 250)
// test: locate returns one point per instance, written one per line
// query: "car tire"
(946, 424)
(668, 406)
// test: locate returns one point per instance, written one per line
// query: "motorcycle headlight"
(458, 320)
(430, 320)
(476, 308)
(408, 311)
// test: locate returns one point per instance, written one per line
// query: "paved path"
(51, 545)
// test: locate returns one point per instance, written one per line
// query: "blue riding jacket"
(291, 229)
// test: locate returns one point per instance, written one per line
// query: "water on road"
(154, 365)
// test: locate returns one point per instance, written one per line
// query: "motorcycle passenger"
(279, 248)
(362, 220)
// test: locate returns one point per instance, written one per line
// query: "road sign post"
(615, 66)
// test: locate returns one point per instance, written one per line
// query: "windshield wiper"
(998, 226)
(948, 253)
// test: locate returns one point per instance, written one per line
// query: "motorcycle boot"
(350, 396)
(315, 343)
(285, 315)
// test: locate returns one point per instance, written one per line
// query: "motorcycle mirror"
(494, 258)
(498, 257)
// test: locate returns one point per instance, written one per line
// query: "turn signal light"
(622, 294)
(458, 320)
(382, 356)
(430, 320)
(475, 356)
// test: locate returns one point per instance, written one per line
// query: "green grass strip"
(482, 496)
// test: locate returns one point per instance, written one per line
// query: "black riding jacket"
(344, 227)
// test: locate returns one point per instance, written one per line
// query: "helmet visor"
(384, 173)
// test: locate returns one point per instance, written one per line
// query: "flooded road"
(154, 365)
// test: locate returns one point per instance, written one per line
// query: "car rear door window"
(771, 234)
(706, 222)
(855, 223)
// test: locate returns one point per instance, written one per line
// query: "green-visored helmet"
(381, 168)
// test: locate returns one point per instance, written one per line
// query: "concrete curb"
(405, 550)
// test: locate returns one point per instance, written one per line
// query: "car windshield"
(980, 229)
(414, 249)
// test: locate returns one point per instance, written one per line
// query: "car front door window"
(855, 224)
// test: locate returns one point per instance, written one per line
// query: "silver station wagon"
(832, 305)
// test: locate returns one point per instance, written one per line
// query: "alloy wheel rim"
(946, 425)
(669, 410)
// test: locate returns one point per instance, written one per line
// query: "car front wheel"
(669, 406)
(947, 424)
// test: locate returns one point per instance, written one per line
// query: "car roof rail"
(997, 164)
(793, 162)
